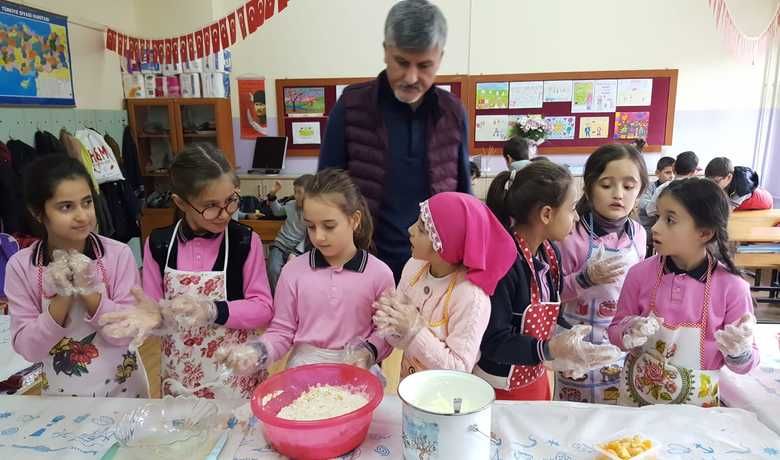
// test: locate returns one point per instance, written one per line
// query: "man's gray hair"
(416, 25)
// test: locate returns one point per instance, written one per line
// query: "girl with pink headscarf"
(441, 308)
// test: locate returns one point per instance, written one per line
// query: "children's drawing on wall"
(632, 125)
(492, 95)
(304, 102)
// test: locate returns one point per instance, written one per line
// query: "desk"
(267, 229)
(753, 234)
(763, 218)
(75, 428)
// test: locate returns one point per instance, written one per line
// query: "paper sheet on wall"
(557, 91)
(339, 90)
(631, 125)
(306, 132)
(582, 96)
(491, 128)
(447, 88)
(492, 95)
(559, 127)
(635, 92)
(604, 95)
(525, 94)
(594, 127)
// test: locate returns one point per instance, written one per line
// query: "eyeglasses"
(213, 212)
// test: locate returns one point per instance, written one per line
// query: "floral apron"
(667, 369)
(188, 356)
(83, 363)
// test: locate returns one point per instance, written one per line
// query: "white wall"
(97, 81)
(717, 96)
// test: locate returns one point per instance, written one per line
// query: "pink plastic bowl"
(315, 439)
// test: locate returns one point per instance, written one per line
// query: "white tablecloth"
(10, 361)
(70, 428)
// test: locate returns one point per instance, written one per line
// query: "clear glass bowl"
(169, 428)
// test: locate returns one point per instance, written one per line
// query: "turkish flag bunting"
(159, 51)
(241, 21)
(183, 49)
(215, 42)
(252, 13)
(120, 44)
(199, 43)
(231, 20)
(168, 51)
(110, 40)
(206, 41)
(269, 9)
(223, 33)
(134, 52)
(191, 47)
(282, 5)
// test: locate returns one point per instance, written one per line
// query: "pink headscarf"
(464, 231)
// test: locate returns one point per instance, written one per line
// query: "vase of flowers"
(531, 128)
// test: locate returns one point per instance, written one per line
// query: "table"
(758, 391)
(267, 229)
(763, 218)
(73, 428)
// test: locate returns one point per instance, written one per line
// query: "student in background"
(476, 173)
(61, 287)
(664, 172)
(639, 144)
(291, 238)
(605, 243)
(685, 313)
(686, 165)
(740, 184)
(536, 204)
(517, 152)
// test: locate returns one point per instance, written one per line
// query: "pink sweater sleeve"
(152, 280)
(573, 250)
(33, 332)
(122, 275)
(469, 316)
(256, 308)
(385, 283)
(278, 338)
(627, 306)
(737, 305)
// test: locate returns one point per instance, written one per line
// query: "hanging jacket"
(21, 154)
(130, 159)
(47, 144)
(115, 148)
(122, 209)
(12, 211)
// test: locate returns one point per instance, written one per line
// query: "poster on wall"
(557, 91)
(492, 95)
(525, 94)
(307, 132)
(559, 127)
(594, 127)
(491, 128)
(252, 106)
(605, 95)
(635, 92)
(582, 96)
(35, 63)
(632, 125)
(304, 102)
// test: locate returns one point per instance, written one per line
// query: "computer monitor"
(270, 153)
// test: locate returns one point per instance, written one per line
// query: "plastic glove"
(604, 270)
(58, 276)
(395, 314)
(85, 274)
(358, 353)
(639, 329)
(139, 322)
(573, 355)
(736, 339)
(243, 359)
(189, 311)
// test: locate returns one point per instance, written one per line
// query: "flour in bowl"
(323, 401)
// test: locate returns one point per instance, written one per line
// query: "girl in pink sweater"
(686, 312)
(60, 287)
(460, 251)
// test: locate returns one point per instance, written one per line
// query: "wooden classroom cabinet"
(152, 218)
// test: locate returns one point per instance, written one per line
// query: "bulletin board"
(303, 112)
(648, 98)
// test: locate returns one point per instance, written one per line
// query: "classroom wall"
(718, 97)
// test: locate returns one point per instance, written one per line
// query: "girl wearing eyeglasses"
(205, 277)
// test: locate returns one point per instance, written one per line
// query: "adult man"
(399, 137)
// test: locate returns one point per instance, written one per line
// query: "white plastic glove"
(58, 276)
(736, 339)
(243, 359)
(639, 329)
(138, 323)
(574, 356)
(398, 320)
(189, 312)
(358, 353)
(84, 271)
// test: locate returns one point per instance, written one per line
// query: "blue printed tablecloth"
(71, 428)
